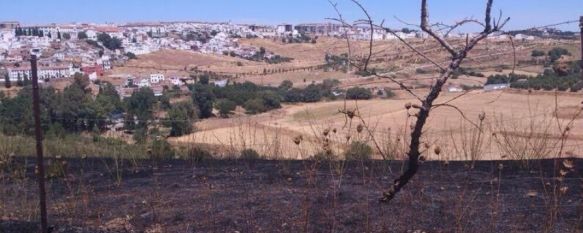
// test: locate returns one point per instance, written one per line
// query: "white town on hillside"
(64, 53)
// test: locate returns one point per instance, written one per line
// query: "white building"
(50, 72)
(143, 83)
(156, 78)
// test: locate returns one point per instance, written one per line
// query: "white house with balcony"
(156, 78)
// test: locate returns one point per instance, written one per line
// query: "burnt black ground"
(282, 196)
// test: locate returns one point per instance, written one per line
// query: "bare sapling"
(457, 54)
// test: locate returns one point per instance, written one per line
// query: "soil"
(296, 196)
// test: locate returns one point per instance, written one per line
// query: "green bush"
(358, 151)
(537, 53)
(198, 154)
(249, 154)
(161, 150)
(358, 93)
(255, 106)
(226, 107)
(556, 53)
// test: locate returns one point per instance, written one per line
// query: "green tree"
(7, 83)
(66, 36)
(358, 93)
(204, 98)
(82, 35)
(108, 99)
(286, 85)
(131, 55)
(271, 100)
(312, 93)
(204, 80)
(537, 53)
(556, 53)
(109, 42)
(180, 118)
(26, 80)
(77, 111)
(226, 107)
(255, 106)
(141, 105)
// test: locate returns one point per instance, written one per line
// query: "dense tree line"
(552, 79)
(73, 110)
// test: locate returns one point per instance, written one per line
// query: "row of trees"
(553, 55)
(567, 78)
(73, 110)
(76, 110)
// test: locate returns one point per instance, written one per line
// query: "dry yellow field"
(528, 118)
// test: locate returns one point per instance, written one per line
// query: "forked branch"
(458, 56)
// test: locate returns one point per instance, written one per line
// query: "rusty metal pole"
(39, 146)
(581, 45)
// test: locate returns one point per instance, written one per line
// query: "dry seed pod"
(347, 137)
(426, 145)
(482, 116)
(298, 140)
(437, 150)
(359, 128)
(422, 158)
(326, 132)
(408, 105)
(350, 114)
(334, 130)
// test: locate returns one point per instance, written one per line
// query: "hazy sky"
(524, 13)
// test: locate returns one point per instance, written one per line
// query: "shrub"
(324, 156)
(270, 99)
(577, 87)
(131, 55)
(255, 106)
(389, 93)
(421, 71)
(537, 53)
(358, 151)
(161, 150)
(358, 93)
(312, 94)
(556, 53)
(286, 85)
(226, 107)
(294, 95)
(249, 154)
(197, 154)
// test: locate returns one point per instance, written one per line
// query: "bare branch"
(459, 111)
(424, 110)
(401, 85)
(367, 60)
(427, 29)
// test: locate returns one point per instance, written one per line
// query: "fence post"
(39, 145)
(581, 45)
